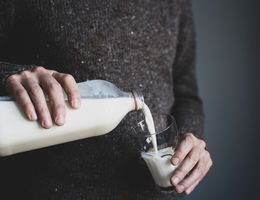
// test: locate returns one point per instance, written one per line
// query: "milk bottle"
(103, 107)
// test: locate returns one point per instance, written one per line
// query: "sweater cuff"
(196, 128)
(8, 69)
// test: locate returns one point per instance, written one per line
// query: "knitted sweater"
(144, 44)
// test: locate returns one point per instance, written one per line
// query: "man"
(148, 45)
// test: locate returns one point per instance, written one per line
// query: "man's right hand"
(28, 88)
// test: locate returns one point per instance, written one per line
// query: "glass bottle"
(102, 108)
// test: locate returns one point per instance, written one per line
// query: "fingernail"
(175, 161)
(46, 124)
(188, 191)
(75, 103)
(59, 120)
(180, 188)
(33, 116)
(175, 180)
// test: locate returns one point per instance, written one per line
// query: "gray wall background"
(228, 56)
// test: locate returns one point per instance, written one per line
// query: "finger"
(183, 149)
(70, 87)
(21, 96)
(197, 173)
(37, 96)
(191, 179)
(56, 98)
(191, 188)
(186, 166)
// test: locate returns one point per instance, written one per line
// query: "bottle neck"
(138, 99)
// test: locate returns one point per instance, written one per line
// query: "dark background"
(228, 56)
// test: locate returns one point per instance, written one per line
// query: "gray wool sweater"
(144, 44)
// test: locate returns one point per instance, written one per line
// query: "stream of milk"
(150, 126)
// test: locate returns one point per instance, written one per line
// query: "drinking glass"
(167, 138)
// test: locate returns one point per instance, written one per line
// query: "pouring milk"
(98, 115)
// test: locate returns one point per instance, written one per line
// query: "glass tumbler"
(167, 139)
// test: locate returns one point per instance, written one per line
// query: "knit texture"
(147, 44)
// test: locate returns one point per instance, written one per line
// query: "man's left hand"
(193, 158)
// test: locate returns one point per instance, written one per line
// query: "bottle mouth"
(138, 99)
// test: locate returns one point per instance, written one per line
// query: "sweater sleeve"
(187, 108)
(7, 18)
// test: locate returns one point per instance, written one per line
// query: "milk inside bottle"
(103, 107)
